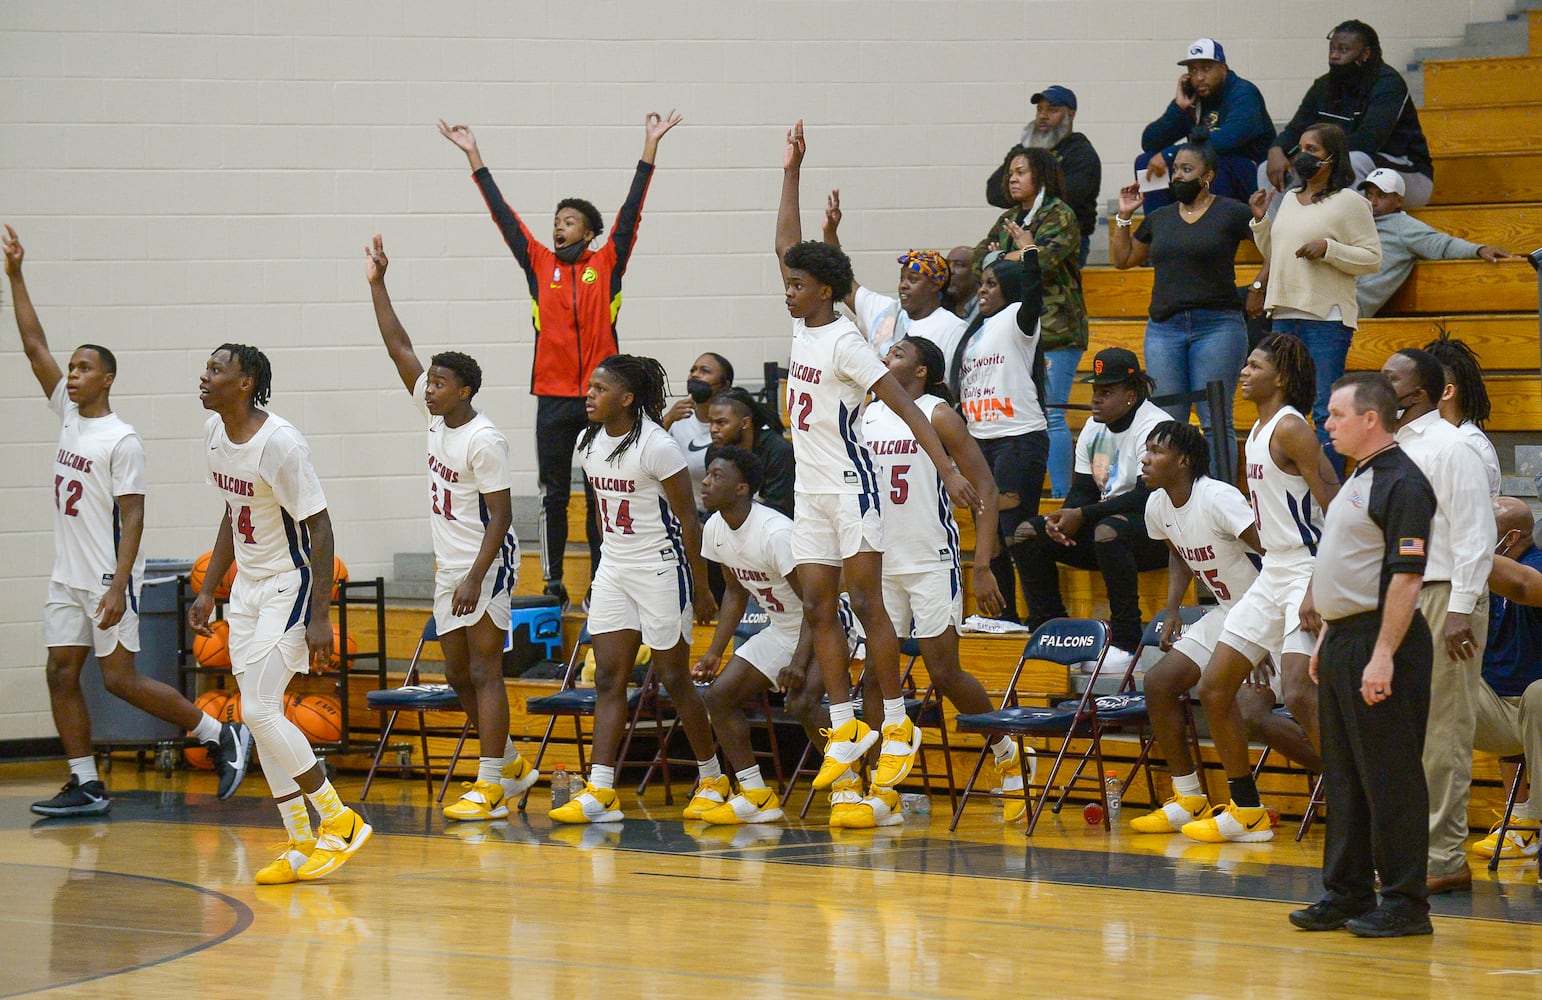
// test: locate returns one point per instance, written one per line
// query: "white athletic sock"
(297, 819)
(893, 711)
(1187, 784)
(1004, 749)
(328, 805)
(601, 776)
(510, 753)
(841, 713)
(207, 730)
(489, 768)
(750, 779)
(709, 769)
(84, 768)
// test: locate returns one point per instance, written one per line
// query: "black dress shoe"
(1325, 915)
(1385, 923)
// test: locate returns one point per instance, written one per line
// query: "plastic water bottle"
(576, 785)
(1111, 784)
(916, 804)
(561, 787)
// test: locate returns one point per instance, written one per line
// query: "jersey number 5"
(1212, 578)
(899, 487)
(72, 492)
(623, 520)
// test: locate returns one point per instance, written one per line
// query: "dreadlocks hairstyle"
(1297, 370)
(1187, 441)
(463, 366)
(1365, 33)
(931, 357)
(1465, 372)
(585, 208)
(828, 264)
(646, 380)
(1432, 376)
(109, 359)
(1336, 145)
(750, 469)
(254, 363)
(1047, 174)
(746, 405)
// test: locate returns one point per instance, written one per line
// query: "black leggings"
(559, 420)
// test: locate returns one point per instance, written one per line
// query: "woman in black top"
(1196, 332)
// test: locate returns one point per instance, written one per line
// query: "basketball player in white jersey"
(1210, 535)
(1290, 483)
(476, 557)
(650, 581)
(831, 370)
(93, 594)
(276, 529)
(922, 577)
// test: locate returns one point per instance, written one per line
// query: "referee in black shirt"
(1372, 667)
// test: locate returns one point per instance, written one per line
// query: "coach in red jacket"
(575, 294)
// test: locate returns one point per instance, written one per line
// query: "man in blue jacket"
(1227, 107)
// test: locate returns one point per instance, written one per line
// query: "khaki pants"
(1508, 726)
(1448, 739)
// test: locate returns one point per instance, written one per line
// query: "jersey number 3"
(71, 498)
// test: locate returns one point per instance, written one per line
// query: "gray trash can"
(114, 722)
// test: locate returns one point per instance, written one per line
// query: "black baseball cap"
(1113, 365)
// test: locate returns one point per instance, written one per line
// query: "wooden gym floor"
(158, 900)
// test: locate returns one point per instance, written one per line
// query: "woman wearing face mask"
(1321, 237)
(1196, 333)
(687, 420)
(1033, 183)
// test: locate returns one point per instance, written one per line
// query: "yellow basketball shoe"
(844, 797)
(482, 800)
(844, 748)
(901, 741)
(592, 805)
(286, 867)
(1231, 822)
(755, 805)
(709, 794)
(1014, 804)
(1521, 841)
(881, 807)
(518, 776)
(340, 839)
(1172, 815)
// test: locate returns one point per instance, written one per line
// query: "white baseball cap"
(1203, 48)
(1390, 181)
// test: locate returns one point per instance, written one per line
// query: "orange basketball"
(232, 708)
(213, 650)
(339, 574)
(195, 576)
(209, 703)
(335, 661)
(320, 718)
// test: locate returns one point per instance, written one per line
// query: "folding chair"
(1504, 821)
(421, 698)
(1315, 794)
(1067, 641)
(926, 712)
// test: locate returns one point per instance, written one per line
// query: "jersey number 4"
(623, 519)
(71, 499)
(243, 525)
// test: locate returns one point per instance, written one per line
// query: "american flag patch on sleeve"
(1410, 546)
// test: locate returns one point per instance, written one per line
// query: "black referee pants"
(1373, 771)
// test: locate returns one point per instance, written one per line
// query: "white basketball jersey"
(464, 463)
(1207, 532)
(759, 555)
(831, 369)
(270, 488)
(637, 526)
(1288, 524)
(919, 532)
(99, 459)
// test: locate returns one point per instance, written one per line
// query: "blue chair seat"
(579, 700)
(1114, 707)
(415, 697)
(1022, 719)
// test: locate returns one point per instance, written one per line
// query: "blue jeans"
(1185, 353)
(1060, 372)
(1328, 342)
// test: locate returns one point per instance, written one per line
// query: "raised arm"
(1124, 250)
(509, 223)
(654, 127)
(466, 141)
(832, 225)
(954, 434)
(397, 343)
(33, 342)
(789, 227)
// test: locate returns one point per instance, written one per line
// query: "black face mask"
(1187, 191)
(570, 253)
(698, 390)
(1306, 165)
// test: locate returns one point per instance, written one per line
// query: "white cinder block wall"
(185, 173)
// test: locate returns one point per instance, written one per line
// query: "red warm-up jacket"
(574, 306)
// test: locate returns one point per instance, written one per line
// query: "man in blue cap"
(1219, 105)
(1053, 128)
